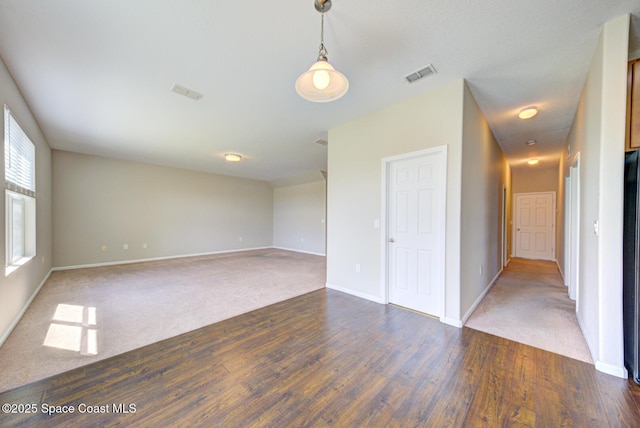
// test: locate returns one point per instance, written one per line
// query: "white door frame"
(384, 233)
(574, 232)
(567, 231)
(514, 215)
(504, 226)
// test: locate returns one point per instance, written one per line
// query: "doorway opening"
(572, 228)
(505, 250)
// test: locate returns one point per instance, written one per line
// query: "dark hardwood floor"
(329, 359)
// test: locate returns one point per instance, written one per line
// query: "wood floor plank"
(617, 398)
(564, 392)
(453, 409)
(329, 359)
(487, 402)
(518, 405)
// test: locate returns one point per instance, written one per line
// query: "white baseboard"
(618, 371)
(473, 307)
(451, 321)
(15, 322)
(612, 370)
(446, 320)
(300, 251)
(381, 300)
(355, 293)
(153, 259)
(561, 273)
(590, 345)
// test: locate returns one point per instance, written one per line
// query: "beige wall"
(299, 213)
(476, 172)
(17, 289)
(356, 150)
(598, 134)
(531, 179)
(534, 179)
(101, 201)
(484, 173)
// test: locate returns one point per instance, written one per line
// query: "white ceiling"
(98, 74)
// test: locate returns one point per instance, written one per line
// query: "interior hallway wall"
(356, 151)
(476, 173)
(484, 173)
(598, 134)
(534, 179)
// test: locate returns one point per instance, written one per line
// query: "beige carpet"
(84, 315)
(529, 304)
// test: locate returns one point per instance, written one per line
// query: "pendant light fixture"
(322, 83)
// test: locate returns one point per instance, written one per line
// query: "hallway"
(529, 304)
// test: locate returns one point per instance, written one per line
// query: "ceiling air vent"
(321, 142)
(417, 75)
(189, 93)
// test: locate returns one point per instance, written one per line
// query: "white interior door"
(535, 228)
(415, 218)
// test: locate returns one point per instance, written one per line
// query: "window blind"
(19, 158)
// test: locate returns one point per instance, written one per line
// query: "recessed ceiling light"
(533, 161)
(528, 113)
(232, 157)
(531, 142)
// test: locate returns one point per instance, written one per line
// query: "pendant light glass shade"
(322, 83)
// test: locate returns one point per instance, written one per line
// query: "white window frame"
(19, 189)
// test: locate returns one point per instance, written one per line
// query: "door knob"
(391, 240)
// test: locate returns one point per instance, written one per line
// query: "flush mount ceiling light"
(232, 157)
(322, 83)
(533, 161)
(531, 142)
(528, 113)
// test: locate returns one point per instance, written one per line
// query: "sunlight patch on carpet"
(70, 331)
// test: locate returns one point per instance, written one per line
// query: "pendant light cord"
(322, 53)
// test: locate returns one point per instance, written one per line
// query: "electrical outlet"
(144, 245)
(358, 267)
(125, 247)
